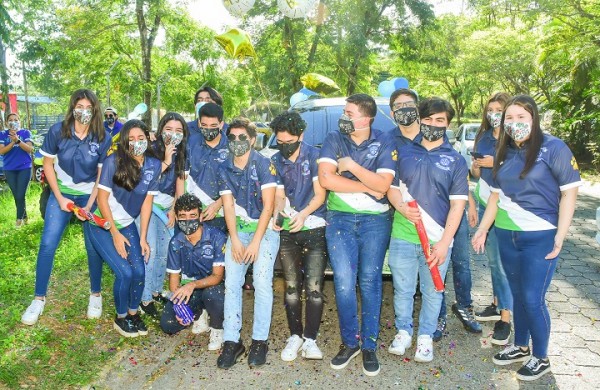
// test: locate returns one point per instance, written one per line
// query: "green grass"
(64, 349)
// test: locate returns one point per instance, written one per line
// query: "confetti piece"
(132, 361)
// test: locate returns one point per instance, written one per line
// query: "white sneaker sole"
(341, 366)
(312, 357)
(26, 322)
(423, 359)
(123, 333)
(396, 352)
(486, 319)
(500, 342)
(94, 316)
(507, 362)
(371, 373)
(534, 377)
(214, 348)
(292, 357)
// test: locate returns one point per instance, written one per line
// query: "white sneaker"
(216, 339)
(290, 352)
(401, 342)
(33, 312)
(94, 307)
(424, 349)
(310, 350)
(201, 324)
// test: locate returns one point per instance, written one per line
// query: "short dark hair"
(242, 123)
(366, 104)
(213, 93)
(187, 202)
(289, 121)
(403, 91)
(211, 110)
(436, 105)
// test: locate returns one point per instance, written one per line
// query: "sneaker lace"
(508, 350)
(532, 363)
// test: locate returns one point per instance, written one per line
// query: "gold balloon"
(237, 43)
(319, 83)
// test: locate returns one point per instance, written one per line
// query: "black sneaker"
(511, 354)
(489, 313)
(125, 327)
(370, 363)
(501, 333)
(465, 315)
(439, 331)
(230, 354)
(149, 309)
(533, 369)
(344, 356)
(160, 298)
(138, 323)
(257, 355)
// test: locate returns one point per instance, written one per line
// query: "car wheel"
(39, 171)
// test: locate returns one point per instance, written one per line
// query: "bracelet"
(18, 141)
(168, 165)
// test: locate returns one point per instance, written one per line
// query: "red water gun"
(103, 223)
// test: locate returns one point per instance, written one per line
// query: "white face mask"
(14, 125)
(518, 131)
(494, 118)
(172, 137)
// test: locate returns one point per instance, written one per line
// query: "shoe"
(125, 326)
(33, 312)
(370, 363)
(533, 369)
(230, 354)
(344, 356)
(201, 324)
(94, 309)
(489, 313)
(439, 331)
(160, 299)
(501, 333)
(310, 350)
(149, 309)
(401, 342)
(424, 352)
(257, 354)
(292, 346)
(465, 315)
(511, 354)
(216, 339)
(139, 324)
(19, 223)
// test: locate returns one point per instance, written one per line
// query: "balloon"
(400, 82)
(236, 43)
(296, 8)
(319, 83)
(307, 92)
(297, 98)
(238, 7)
(386, 88)
(138, 111)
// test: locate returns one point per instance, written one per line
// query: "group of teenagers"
(196, 201)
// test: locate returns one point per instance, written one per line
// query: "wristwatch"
(18, 141)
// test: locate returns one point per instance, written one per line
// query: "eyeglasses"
(108, 116)
(241, 137)
(404, 104)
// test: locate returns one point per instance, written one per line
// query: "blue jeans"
(500, 285)
(210, 299)
(158, 238)
(262, 273)
(407, 261)
(529, 275)
(357, 244)
(18, 182)
(55, 222)
(129, 273)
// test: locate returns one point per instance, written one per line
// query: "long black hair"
(96, 128)
(129, 173)
(534, 143)
(500, 97)
(180, 156)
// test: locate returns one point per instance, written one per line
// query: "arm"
(251, 252)
(486, 222)
(145, 214)
(297, 222)
(439, 250)
(7, 148)
(395, 198)
(237, 248)
(210, 211)
(27, 147)
(279, 206)
(379, 182)
(50, 173)
(472, 211)
(94, 193)
(566, 209)
(184, 293)
(174, 282)
(330, 180)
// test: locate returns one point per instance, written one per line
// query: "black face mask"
(210, 134)
(432, 133)
(287, 150)
(405, 116)
(110, 120)
(346, 124)
(189, 226)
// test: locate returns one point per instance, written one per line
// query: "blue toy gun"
(183, 311)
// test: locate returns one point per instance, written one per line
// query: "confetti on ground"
(132, 361)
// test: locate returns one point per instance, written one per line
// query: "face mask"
(287, 150)
(432, 133)
(137, 148)
(518, 131)
(209, 134)
(83, 115)
(198, 107)
(189, 226)
(110, 120)
(172, 138)
(494, 118)
(346, 124)
(405, 116)
(14, 125)
(239, 148)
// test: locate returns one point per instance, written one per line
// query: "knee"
(169, 325)
(315, 296)
(262, 282)
(292, 293)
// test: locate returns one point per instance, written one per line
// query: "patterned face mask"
(405, 116)
(172, 137)
(137, 148)
(518, 131)
(14, 125)
(346, 124)
(432, 133)
(239, 148)
(189, 226)
(209, 134)
(83, 115)
(494, 118)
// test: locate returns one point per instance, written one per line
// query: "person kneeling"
(196, 265)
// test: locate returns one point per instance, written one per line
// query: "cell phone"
(476, 155)
(279, 220)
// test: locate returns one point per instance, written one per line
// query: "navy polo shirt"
(377, 154)
(117, 126)
(125, 205)
(297, 178)
(16, 159)
(433, 178)
(76, 161)
(531, 203)
(166, 188)
(486, 146)
(399, 139)
(195, 262)
(246, 185)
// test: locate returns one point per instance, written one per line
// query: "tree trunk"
(313, 49)
(147, 37)
(3, 78)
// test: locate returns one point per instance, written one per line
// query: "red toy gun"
(435, 272)
(103, 223)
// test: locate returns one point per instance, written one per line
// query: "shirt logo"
(94, 148)
(148, 176)
(223, 154)
(542, 151)
(272, 169)
(444, 163)
(305, 168)
(574, 163)
(373, 150)
(253, 173)
(394, 155)
(208, 251)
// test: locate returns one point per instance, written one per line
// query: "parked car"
(38, 159)
(1, 167)
(465, 139)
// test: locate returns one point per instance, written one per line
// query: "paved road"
(462, 360)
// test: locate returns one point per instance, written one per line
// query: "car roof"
(334, 101)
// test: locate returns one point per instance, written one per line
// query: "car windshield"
(471, 132)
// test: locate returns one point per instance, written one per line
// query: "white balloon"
(238, 7)
(296, 8)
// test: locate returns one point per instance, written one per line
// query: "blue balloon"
(297, 98)
(307, 91)
(400, 82)
(386, 88)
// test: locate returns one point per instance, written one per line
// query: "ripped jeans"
(303, 258)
